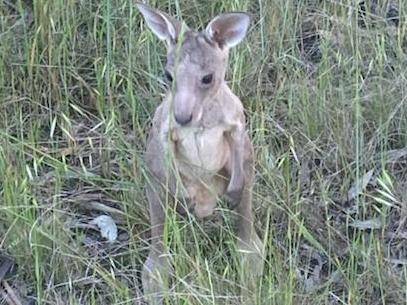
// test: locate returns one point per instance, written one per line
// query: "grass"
(324, 86)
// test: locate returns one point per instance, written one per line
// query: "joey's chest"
(204, 148)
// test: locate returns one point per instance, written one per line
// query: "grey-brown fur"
(198, 149)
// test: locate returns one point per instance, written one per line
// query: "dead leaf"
(396, 154)
(359, 186)
(107, 226)
(6, 263)
(374, 223)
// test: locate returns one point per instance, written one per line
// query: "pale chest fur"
(200, 153)
(203, 148)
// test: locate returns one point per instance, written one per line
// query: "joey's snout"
(184, 104)
(183, 119)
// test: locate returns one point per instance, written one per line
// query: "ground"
(324, 87)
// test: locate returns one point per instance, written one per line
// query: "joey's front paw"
(234, 196)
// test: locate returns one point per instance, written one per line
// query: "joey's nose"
(183, 119)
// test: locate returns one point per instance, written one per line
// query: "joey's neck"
(223, 89)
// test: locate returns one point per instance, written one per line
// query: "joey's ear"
(228, 29)
(164, 26)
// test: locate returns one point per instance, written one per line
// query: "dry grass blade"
(9, 294)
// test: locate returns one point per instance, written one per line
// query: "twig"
(9, 295)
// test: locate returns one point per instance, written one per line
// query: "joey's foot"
(155, 275)
(252, 256)
(252, 265)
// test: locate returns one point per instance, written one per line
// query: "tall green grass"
(324, 90)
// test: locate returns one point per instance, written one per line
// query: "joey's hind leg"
(239, 192)
(157, 268)
(250, 249)
(250, 245)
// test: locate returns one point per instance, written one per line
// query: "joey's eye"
(207, 79)
(168, 76)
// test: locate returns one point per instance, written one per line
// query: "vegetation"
(324, 86)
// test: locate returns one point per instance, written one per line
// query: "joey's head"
(196, 61)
